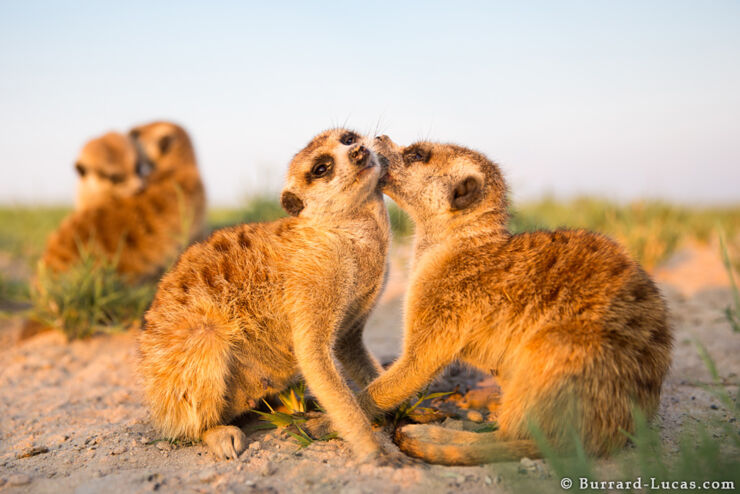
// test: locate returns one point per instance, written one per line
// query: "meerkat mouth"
(370, 165)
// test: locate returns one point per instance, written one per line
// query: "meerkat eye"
(416, 155)
(320, 169)
(80, 169)
(348, 139)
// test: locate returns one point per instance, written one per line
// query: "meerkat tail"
(460, 447)
(187, 375)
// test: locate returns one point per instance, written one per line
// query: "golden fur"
(144, 231)
(240, 315)
(573, 328)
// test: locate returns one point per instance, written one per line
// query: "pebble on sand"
(19, 479)
(164, 445)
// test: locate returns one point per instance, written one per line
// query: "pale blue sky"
(620, 99)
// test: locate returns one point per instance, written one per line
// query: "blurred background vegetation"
(651, 231)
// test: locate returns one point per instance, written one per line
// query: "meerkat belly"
(267, 366)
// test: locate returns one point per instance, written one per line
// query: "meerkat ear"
(465, 193)
(291, 203)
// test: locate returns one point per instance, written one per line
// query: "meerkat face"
(161, 146)
(432, 180)
(106, 167)
(335, 173)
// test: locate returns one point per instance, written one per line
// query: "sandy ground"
(72, 418)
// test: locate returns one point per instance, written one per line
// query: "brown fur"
(243, 313)
(147, 230)
(575, 330)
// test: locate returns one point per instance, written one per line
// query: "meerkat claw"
(227, 442)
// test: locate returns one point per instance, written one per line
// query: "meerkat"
(145, 231)
(242, 314)
(108, 166)
(574, 329)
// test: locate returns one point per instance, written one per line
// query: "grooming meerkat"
(240, 315)
(143, 231)
(107, 167)
(574, 330)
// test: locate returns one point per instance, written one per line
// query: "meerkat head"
(162, 147)
(106, 167)
(337, 172)
(441, 182)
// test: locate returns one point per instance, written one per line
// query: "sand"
(72, 417)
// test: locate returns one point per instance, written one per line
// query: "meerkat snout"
(359, 155)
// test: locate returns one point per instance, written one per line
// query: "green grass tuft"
(90, 297)
(294, 400)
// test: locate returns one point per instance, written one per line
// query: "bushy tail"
(186, 368)
(440, 445)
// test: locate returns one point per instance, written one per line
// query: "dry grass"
(651, 230)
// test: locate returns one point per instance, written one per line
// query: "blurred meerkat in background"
(145, 224)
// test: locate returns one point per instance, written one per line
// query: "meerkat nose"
(382, 138)
(358, 155)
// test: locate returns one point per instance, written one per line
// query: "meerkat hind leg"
(355, 357)
(227, 442)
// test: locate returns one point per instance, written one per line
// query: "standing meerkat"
(240, 315)
(574, 330)
(146, 230)
(108, 166)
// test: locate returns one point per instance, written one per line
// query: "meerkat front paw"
(227, 442)
(386, 455)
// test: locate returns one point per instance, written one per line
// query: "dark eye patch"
(117, 178)
(349, 138)
(416, 154)
(165, 143)
(81, 171)
(323, 167)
